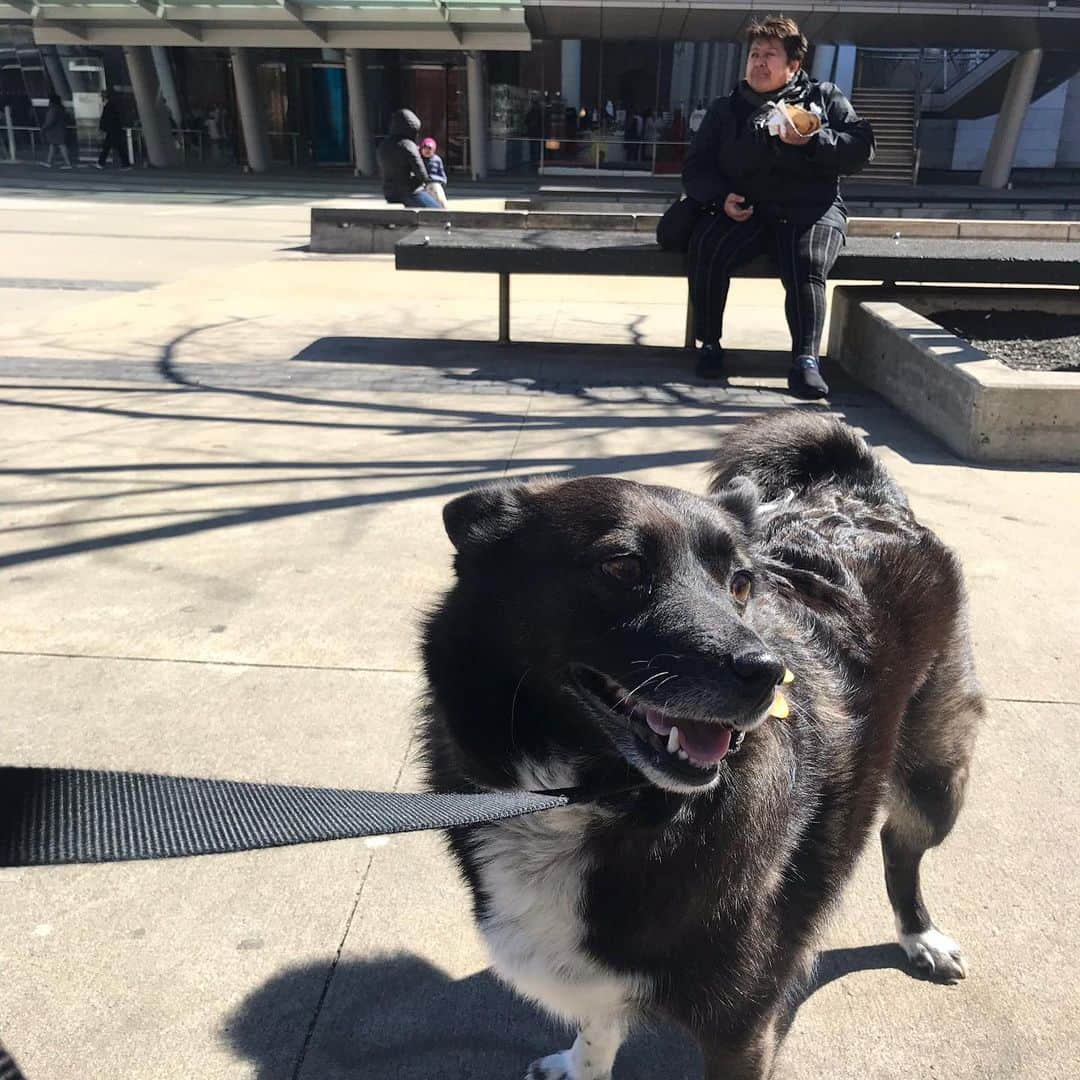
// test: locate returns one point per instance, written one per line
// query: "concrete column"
(702, 63)
(695, 76)
(731, 75)
(252, 120)
(682, 71)
(155, 132)
(571, 73)
(710, 74)
(1002, 152)
(55, 68)
(363, 148)
(167, 83)
(844, 69)
(824, 58)
(474, 62)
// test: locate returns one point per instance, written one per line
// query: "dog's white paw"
(935, 954)
(561, 1067)
(553, 1067)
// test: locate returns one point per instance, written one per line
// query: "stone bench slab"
(625, 254)
(365, 231)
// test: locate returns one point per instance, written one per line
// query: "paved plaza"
(222, 466)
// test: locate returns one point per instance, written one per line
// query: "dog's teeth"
(789, 677)
(779, 707)
(683, 755)
(673, 740)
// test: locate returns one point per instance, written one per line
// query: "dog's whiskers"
(513, 704)
(626, 698)
(664, 681)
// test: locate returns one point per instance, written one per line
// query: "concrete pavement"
(220, 527)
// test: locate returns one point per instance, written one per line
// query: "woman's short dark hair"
(779, 28)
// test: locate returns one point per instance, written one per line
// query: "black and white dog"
(736, 684)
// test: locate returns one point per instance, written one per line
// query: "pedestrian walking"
(215, 132)
(111, 125)
(54, 129)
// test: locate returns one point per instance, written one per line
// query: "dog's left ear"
(742, 499)
(481, 517)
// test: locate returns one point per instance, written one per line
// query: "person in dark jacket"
(770, 189)
(404, 175)
(111, 125)
(54, 129)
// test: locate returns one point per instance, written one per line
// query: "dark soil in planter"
(1026, 340)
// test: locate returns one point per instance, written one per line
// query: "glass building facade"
(581, 87)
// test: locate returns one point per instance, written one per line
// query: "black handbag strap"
(49, 817)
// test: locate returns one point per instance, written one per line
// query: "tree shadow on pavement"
(561, 367)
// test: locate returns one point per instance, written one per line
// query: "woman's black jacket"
(734, 152)
(402, 167)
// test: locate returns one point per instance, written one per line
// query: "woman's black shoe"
(804, 379)
(710, 362)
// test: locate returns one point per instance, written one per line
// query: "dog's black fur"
(703, 888)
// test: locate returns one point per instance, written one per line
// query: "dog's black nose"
(757, 668)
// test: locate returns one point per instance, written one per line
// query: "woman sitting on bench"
(766, 161)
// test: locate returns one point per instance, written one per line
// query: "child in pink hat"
(436, 186)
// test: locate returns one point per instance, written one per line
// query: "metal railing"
(593, 154)
(26, 143)
(925, 71)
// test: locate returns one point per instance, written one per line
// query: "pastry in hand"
(802, 120)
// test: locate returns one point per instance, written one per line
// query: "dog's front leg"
(590, 1058)
(751, 1059)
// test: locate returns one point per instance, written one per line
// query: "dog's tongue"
(705, 744)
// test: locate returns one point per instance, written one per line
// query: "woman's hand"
(789, 135)
(734, 210)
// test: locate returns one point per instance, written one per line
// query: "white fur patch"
(532, 870)
(590, 1058)
(934, 952)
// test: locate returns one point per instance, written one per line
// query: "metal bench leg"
(504, 309)
(689, 340)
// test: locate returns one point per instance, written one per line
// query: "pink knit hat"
(429, 141)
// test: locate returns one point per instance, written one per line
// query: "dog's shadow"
(399, 1017)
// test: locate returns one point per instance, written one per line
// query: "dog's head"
(634, 606)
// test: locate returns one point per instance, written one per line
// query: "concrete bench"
(625, 253)
(351, 230)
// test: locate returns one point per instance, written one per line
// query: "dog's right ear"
(741, 498)
(482, 517)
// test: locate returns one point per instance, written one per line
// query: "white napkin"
(777, 119)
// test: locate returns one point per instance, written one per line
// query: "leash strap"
(8, 1069)
(49, 817)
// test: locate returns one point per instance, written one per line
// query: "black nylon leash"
(8, 1069)
(50, 817)
(53, 817)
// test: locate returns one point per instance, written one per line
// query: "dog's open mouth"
(689, 748)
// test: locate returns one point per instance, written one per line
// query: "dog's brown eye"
(742, 585)
(627, 569)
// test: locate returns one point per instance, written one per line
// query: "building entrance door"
(329, 116)
(436, 93)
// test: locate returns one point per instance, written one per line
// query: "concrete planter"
(981, 409)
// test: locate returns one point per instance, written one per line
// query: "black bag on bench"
(674, 229)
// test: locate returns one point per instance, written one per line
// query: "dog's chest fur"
(531, 872)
